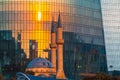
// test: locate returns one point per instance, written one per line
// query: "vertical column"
(53, 49)
(53, 45)
(60, 42)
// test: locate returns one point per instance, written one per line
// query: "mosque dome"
(39, 63)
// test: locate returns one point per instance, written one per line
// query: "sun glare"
(39, 16)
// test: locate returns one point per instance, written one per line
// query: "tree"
(12, 78)
(99, 76)
(103, 76)
(88, 78)
(1, 77)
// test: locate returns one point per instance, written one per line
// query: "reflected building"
(43, 68)
(85, 57)
(7, 47)
(33, 49)
(82, 30)
(111, 22)
(9, 54)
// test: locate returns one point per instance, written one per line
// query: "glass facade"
(111, 22)
(82, 30)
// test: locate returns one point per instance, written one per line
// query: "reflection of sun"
(39, 16)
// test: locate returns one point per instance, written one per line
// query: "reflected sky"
(31, 19)
(76, 16)
(23, 16)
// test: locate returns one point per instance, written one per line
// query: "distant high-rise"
(33, 49)
(111, 22)
(7, 47)
(9, 53)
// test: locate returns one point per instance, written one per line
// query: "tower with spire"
(57, 44)
(60, 71)
(53, 44)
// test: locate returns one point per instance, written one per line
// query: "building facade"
(7, 47)
(86, 58)
(82, 30)
(33, 47)
(111, 22)
(10, 56)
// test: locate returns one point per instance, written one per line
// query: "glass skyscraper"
(111, 22)
(82, 30)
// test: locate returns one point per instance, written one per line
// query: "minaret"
(60, 42)
(53, 45)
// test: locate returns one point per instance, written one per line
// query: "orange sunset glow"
(35, 30)
(39, 16)
(33, 22)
